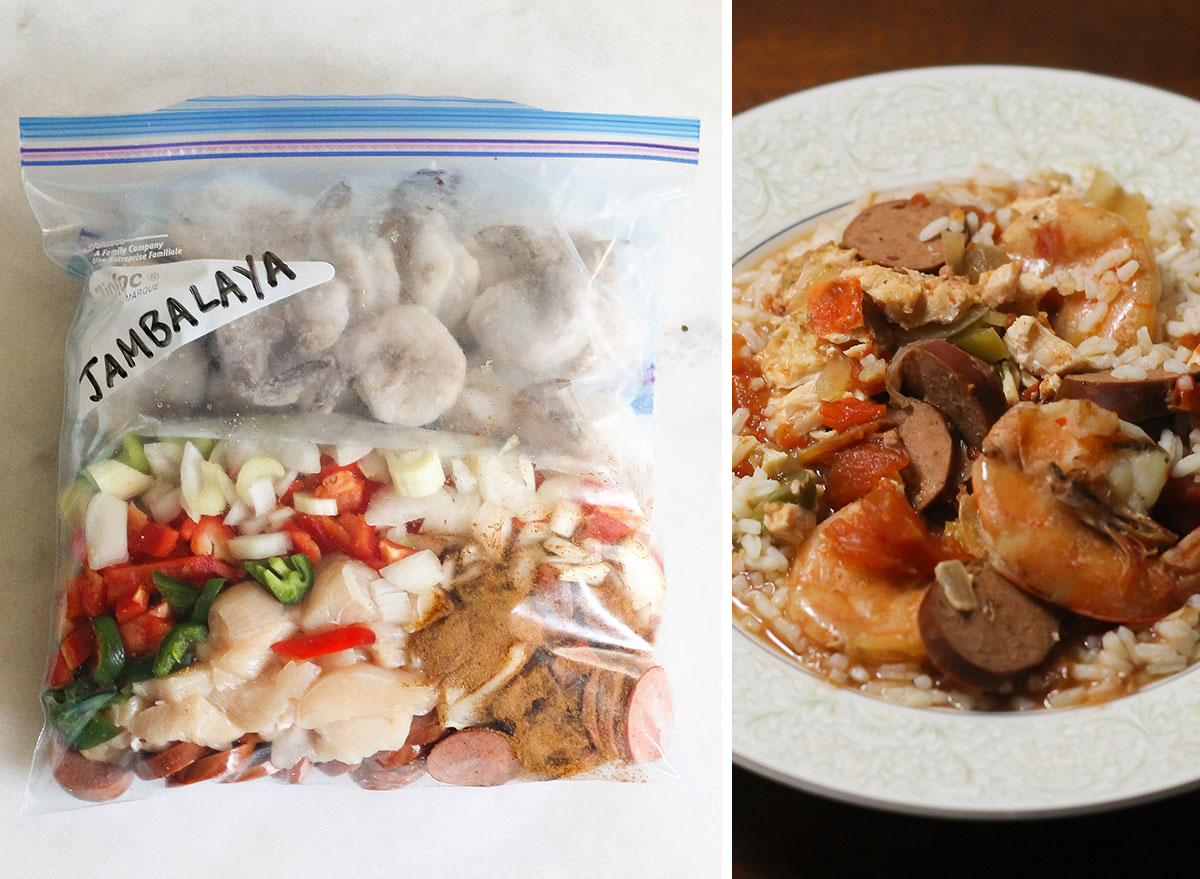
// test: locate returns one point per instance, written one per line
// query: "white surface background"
(624, 56)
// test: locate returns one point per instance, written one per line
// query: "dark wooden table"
(783, 46)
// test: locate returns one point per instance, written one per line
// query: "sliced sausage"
(930, 448)
(170, 761)
(1008, 633)
(888, 234)
(402, 756)
(218, 765)
(370, 776)
(297, 772)
(425, 730)
(257, 765)
(478, 757)
(959, 385)
(649, 714)
(334, 768)
(1136, 400)
(91, 780)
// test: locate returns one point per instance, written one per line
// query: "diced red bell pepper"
(60, 675)
(392, 552)
(132, 605)
(835, 307)
(79, 646)
(185, 525)
(211, 536)
(154, 541)
(850, 412)
(303, 542)
(348, 533)
(324, 643)
(86, 596)
(121, 580)
(136, 520)
(603, 526)
(142, 634)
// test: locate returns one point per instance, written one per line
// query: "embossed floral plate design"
(800, 156)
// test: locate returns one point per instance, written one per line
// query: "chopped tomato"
(850, 412)
(919, 200)
(86, 595)
(153, 540)
(77, 647)
(392, 552)
(603, 526)
(854, 472)
(835, 307)
(346, 487)
(122, 580)
(142, 634)
(886, 534)
(211, 536)
(749, 389)
(324, 643)
(133, 604)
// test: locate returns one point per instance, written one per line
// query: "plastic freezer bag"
(355, 458)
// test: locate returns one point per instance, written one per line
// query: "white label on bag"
(156, 309)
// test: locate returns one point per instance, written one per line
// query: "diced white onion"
(492, 527)
(275, 518)
(566, 518)
(261, 495)
(315, 506)
(164, 460)
(285, 482)
(260, 546)
(415, 573)
(165, 508)
(238, 513)
(201, 484)
(348, 453)
(106, 528)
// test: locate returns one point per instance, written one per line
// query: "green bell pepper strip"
(173, 652)
(140, 668)
(180, 596)
(98, 731)
(289, 579)
(71, 708)
(110, 650)
(207, 596)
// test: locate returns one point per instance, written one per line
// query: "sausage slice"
(218, 765)
(170, 761)
(648, 716)
(930, 450)
(370, 776)
(91, 780)
(888, 234)
(477, 757)
(1007, 634)
(1136, 400)
(959, 385)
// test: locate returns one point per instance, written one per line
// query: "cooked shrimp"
(1102, 268)
(869, 615)
(1060, 494)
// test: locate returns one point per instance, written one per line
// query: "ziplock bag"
(355, 458)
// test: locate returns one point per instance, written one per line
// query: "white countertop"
(627, 56)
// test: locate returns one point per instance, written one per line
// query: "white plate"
(802, 155)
